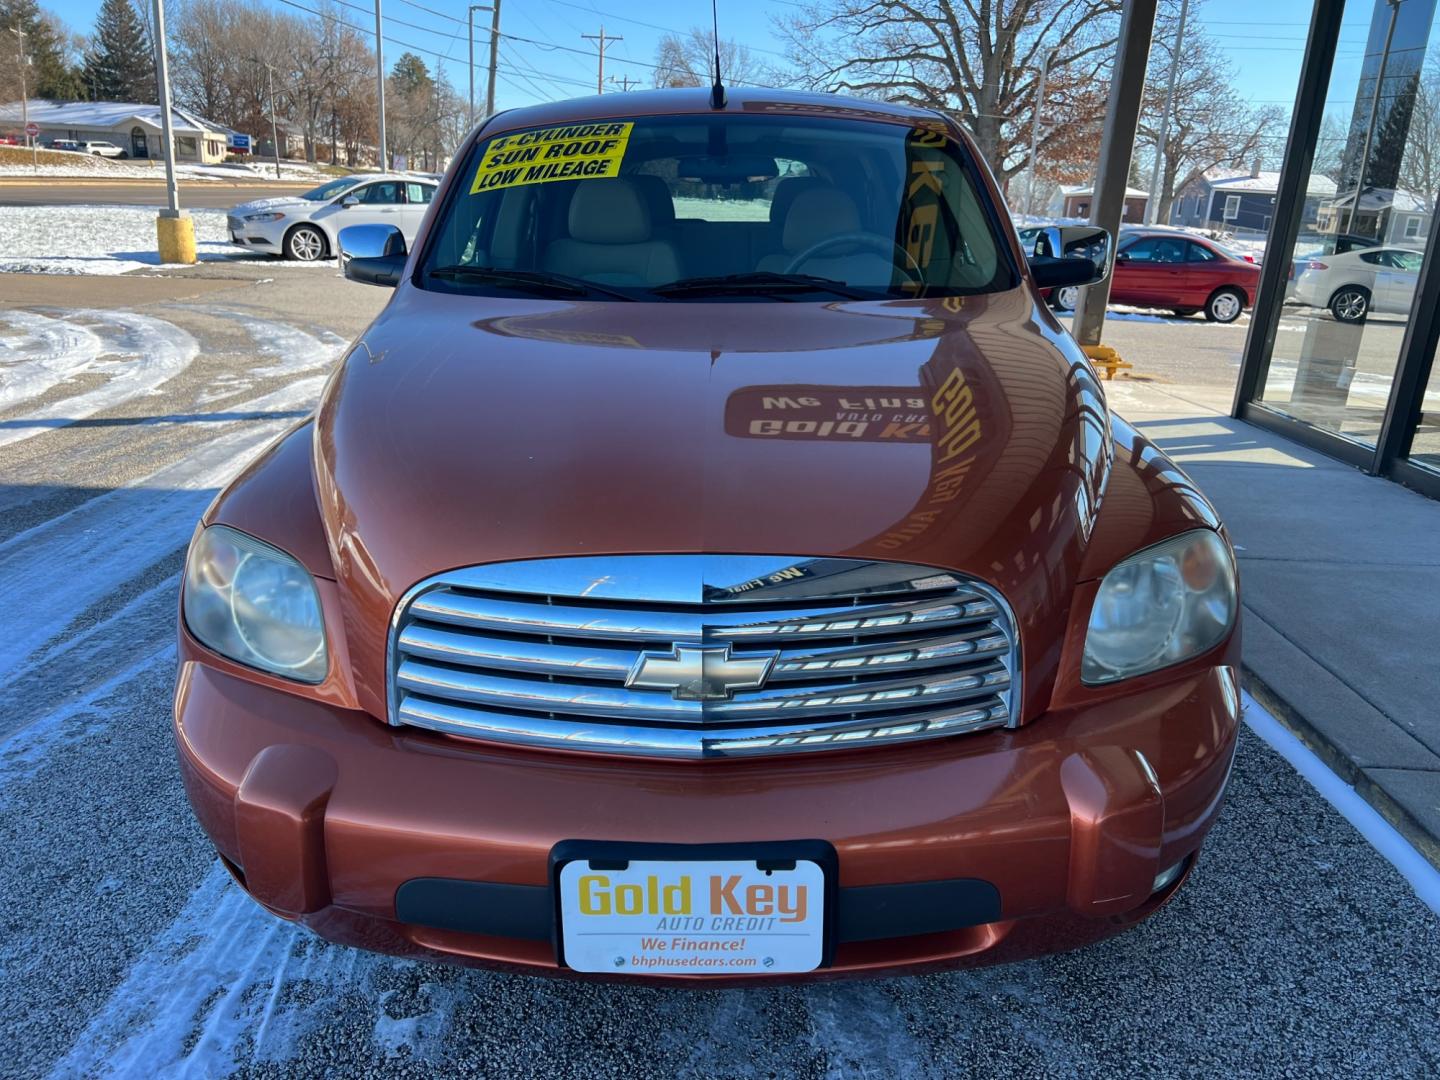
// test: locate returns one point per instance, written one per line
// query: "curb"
(1337, 762)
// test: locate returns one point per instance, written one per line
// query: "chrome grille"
(548, 653)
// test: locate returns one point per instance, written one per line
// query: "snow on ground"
(98, 239)
(134, 354)
(723, 209)
(70, 164)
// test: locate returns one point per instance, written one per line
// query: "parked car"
(304, 226)
(714, 595)
(1356, 283)
(1333, 245)
(100, 148)
(11, 140)
(1180, 272)
(66, 144)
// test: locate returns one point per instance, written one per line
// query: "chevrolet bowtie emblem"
(699, 672)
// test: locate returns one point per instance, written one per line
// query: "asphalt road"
(1294, 950)
(213, 194)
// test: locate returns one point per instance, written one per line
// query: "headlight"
(254, 604)
(270, 216)
(1159, 607)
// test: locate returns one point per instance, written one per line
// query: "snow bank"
(98, 239)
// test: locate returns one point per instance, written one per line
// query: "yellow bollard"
(176, 233)
(1106, 358)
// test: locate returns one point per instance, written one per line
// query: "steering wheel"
(879, 244)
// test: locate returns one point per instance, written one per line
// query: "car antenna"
(717, 92)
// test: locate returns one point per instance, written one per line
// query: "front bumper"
(263, 236)
(324, 815)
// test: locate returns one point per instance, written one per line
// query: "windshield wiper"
(759, 281)
(533, 280)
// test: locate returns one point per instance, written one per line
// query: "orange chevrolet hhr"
(714, 563)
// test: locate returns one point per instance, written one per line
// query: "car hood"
(284, 203)
(967, 433)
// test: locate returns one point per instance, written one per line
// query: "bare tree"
(689, 60)
(979, 60)
(1210, 123)
(1330, 147)
(1420, 163)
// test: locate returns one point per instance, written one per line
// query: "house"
(1076, 200)
(1393, 216)
(1232, 200)
(133, 127)
(291, 135)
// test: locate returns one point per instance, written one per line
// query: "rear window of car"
(637, 205)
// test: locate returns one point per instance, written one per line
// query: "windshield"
(719, 207)
(331, 188)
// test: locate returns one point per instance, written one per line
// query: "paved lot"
(1293, 951)
(215, 194)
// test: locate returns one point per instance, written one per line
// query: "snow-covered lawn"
(97, 239)
(16, 162)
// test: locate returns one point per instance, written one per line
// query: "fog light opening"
(1166, 878)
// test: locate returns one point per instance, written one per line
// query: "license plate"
(702, 917)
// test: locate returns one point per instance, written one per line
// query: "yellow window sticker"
(571, 152)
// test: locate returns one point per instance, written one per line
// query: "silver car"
(305, 227)
(1356, 283)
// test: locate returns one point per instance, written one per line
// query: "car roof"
(680, 101)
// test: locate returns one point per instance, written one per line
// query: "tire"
(1225, 305)
(305, 243)
(1065, 299)
(1350, 304)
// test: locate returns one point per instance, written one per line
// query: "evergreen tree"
(119, 65)
(49, 74)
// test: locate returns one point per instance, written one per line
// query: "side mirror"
(350, 200)
(372, 254)
(1084, 260)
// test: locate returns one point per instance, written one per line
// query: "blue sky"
(1264, 39)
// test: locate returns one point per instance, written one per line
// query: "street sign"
(32, 129)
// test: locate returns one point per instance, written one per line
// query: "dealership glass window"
(1425, 444)
(1356, 259)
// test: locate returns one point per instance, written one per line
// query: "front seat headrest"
(608, 212)
(817, 214)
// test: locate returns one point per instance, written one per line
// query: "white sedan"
(305, 226)
(1354, 284)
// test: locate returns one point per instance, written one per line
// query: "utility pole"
(384, 161)
(1374, 116)
(494, 10)
(174, 228)
(274, 127)
(601, 38)
(625, 82)
(25, 99)
(1035, 130)
(494, 59)
(1152, 207)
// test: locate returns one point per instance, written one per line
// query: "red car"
(1183, 273)
(674, 588)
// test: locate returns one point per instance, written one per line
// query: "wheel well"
(324, 237)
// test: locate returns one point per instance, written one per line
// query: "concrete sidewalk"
(1340, 582)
